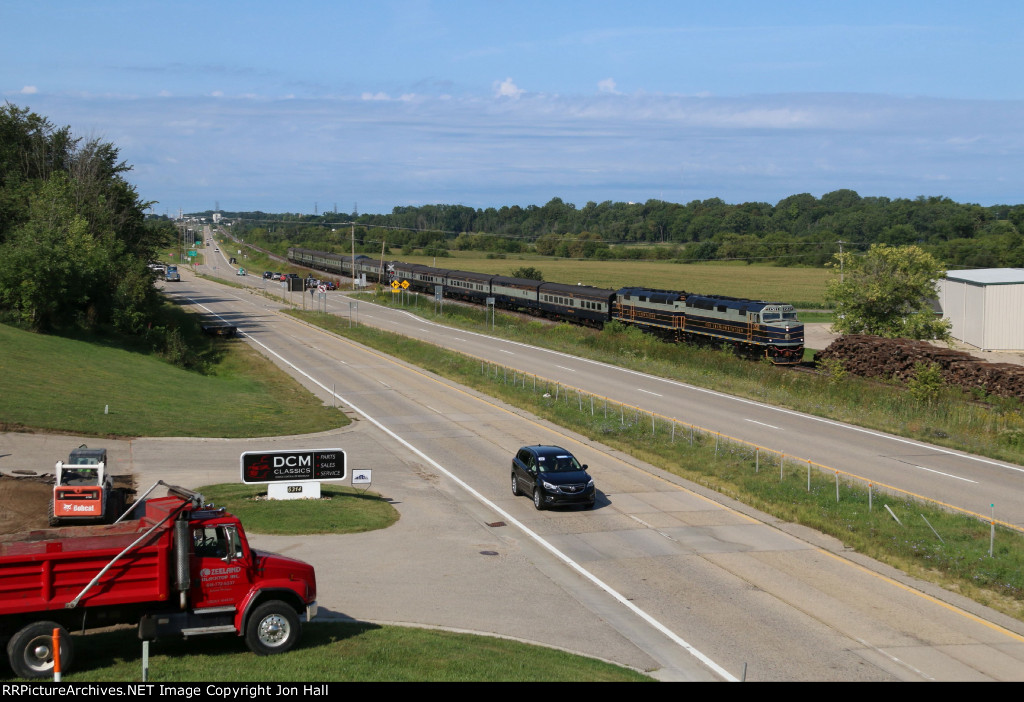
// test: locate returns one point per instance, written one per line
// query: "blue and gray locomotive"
(751, 327)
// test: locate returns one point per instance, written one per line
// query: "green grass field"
(85, 387)
(801, 287)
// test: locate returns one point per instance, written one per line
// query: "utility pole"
(353, 256)
(841, 261)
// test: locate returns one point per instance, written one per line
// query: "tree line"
(74, 239)
(798, 230)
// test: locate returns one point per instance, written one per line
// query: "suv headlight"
(549, 486)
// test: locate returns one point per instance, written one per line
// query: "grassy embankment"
(85, 386)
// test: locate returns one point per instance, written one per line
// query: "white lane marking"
(895, 659)
(621, 599)
(948, 475)
(571, 370)
(656, 531)
(650, 392)
(754, 421)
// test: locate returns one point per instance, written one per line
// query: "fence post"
(992, 531)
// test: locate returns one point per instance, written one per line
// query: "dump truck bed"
(46, 569)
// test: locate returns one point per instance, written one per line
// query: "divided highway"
(660, 576)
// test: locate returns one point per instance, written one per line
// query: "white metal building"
(985, 307)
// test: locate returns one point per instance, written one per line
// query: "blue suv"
(552, 476)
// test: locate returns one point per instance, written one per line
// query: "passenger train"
(752, 328)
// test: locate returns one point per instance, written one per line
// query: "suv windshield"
(558, 463)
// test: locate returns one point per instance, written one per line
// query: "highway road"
(974, 484)
(662, 575)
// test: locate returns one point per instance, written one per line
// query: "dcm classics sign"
(293, 466)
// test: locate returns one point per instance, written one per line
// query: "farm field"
(802, 287)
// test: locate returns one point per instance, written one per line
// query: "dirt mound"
(25, 497)
(877, 357)
(26, 501)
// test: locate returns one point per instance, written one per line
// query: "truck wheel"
(52, 520)
(273, 628)
(30, 651)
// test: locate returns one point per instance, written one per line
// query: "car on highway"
(268, 274)
(552, 476)
(330, 285)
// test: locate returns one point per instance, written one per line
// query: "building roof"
(989, 276)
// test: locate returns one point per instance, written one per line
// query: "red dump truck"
(181, 568)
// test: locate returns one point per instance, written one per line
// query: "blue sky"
(319, 106)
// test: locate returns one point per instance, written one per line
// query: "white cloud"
(382, 150)
(29, 90)
(507, 88)
(607, 86)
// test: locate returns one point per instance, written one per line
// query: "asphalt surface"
(444, 564)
